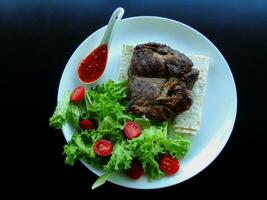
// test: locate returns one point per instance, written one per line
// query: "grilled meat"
(160, 82)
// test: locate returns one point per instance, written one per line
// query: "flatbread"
(189, 121)
(127, 54)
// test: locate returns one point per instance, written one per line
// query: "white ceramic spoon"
(92, 67)
(111, 27)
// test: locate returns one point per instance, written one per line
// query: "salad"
(111, 139)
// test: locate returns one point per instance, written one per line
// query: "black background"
(38, 37)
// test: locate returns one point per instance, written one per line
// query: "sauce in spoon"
(93, 66)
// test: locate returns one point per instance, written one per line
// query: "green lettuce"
(59, 117)
(106, 105)
(121, 157)
(67, 111)
(80, 147)
(109, 100)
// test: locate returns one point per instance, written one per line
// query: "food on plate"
(132, 130)
(156, 60)
(86, 124)
(108, 136)
(136, 170)
(106, 104)
(168, 164)
(103, 147)
(160, 82)
(142, 88)
(78, 94)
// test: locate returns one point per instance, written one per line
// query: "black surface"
(38, 37)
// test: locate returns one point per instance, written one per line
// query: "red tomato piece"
(103, 147)
(87, 124)
(169, 165)
(136, 170)
(78, 94)
(132, 130)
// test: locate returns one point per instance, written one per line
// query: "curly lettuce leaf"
(80, 146)
(108, 100)
(121, 158)
(75, 112)
(59, 117)
(67, 111)
(177, 146)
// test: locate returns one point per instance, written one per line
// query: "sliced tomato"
(78, 94)
(136, 170)
(87, 124)
(169, 165)
(103, 147)
(132, 130)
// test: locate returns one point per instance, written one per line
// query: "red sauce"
(93, 66)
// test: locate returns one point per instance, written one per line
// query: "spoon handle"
(112, 24)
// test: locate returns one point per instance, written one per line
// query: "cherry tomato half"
(103, 147)
(132, 130)
(169, 165)
(78, 94)
(136, 170)
(87, 124)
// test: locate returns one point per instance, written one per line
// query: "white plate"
(221, 102)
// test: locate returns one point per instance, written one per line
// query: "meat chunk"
(160, 82)
(158, 61)
(157, 98)
(190, 78)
